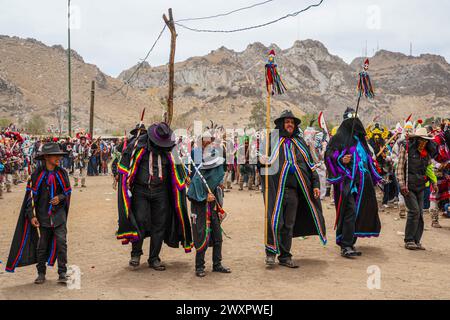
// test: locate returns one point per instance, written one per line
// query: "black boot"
(221, 269)
(62, 278)
(40, 279)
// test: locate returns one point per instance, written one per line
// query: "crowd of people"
(407, 168)
(83, 156)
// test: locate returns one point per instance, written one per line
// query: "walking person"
(415, 157)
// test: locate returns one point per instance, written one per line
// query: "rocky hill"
(228, 82)
(222, 85)
(33, 80)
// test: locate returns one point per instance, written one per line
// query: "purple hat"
(161, 135)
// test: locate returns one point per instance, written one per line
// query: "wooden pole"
(91, 115)
(173, 43)
(266, 178)
(69, 72)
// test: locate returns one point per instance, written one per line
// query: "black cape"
(352, 179)
(179, 228)
(25, 239)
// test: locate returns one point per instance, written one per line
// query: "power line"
(127, 82)
(226, 14)
(294, 14)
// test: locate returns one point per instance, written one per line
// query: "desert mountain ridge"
(223, 85)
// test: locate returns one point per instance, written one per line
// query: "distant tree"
(36, 125)
(4, 123)
(307, 119)
(257, 118)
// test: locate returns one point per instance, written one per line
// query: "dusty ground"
(323, 273)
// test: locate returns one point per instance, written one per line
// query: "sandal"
(411, 245)
(270, 261)
(357, 253)
(200, 273)
(135, 262)
(420, 247)
(348, 252)
(157, 265)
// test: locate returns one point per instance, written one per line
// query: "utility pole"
(173, 43)
(69, 72)
(410, 49)
(91, 114)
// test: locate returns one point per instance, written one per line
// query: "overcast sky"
(116, 34)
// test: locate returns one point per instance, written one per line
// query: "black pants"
(151, 207)
(44, 247)
(348, 222)
(414, 222)
(286, 223)
(199, 208)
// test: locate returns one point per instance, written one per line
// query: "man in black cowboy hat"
(41, 231)
(294, 208)
(152, 197)
(206, 196)
(352, 172)
(139, 130)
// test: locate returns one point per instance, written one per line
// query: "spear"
(274, 84)
(137, 140)
(392, 138)
(222, 212)
(364, 87)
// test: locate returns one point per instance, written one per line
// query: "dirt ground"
(323, 274)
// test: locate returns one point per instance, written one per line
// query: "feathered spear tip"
(364, 84)
(273, 79)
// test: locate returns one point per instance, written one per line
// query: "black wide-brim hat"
(161, 135)
(287, 114)
(50, 149)
(138, 127)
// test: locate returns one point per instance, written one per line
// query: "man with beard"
(152, 197)
(414, 160)
(293, 208)
(41, 230)
(206, 196)
(440, 197)
(352, 172)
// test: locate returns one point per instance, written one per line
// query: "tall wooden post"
(69, 66)
(91, 114)
(173, 43)
(266, 177)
